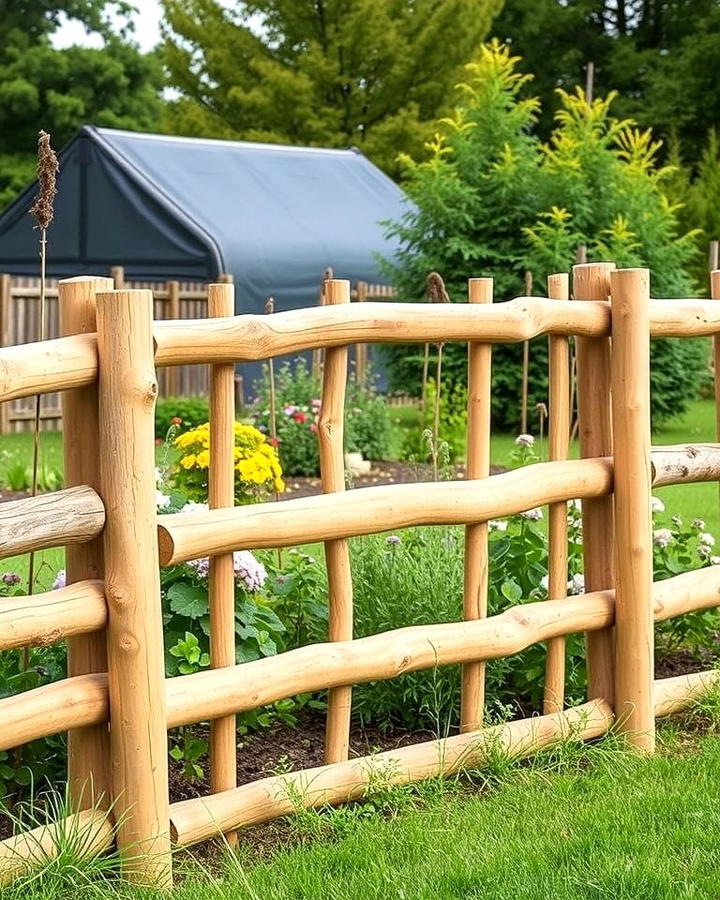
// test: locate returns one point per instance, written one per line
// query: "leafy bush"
(297, 400)
(492, 199)
(257, 468)
(182, 412)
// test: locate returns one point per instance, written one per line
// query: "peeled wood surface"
(684, 318)
(43, 619)
(476, 560)
(673, 695)
(634, 630)
(196, 820)
(364, 510)
(685, 463)
(90, 832)
(198, 697)
(52, 708)
(69, 516)
(250, 337)
(42, 367)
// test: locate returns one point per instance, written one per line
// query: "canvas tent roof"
(189, 208)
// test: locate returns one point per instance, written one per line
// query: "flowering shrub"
(257, 468)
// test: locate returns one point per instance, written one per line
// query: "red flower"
(274, 442)
(300, 417)
(176, 420)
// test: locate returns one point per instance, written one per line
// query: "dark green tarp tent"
(189, 208)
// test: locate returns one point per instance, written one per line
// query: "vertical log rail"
(223, 760)
(559, 434)
(88, 748)
(715, 294)
(592, 282)
(480, 290)
(337, 552)
(361, 349)
(136, 678)
(634, 651)
(5, 312)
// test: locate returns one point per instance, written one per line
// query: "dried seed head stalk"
(47, 168)
(436, 292)
(270, 305)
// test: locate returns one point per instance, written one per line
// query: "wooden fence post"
(634, 636)
(88, 748)
(361, 349)
(559, 438)
(480, 290)
(5, 313)
(715, 295)
(138, 735)
(173, 308)
(117, 273)
(337, 552)
(226, 278)
(592, 282)
(223, 752)
(525, 365)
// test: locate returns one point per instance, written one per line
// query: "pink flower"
(313, 427)
(249, 570)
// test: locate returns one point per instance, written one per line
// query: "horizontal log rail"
(185, 536)
(48, 366)
(53, 708)
(205, 695)
(91, 831)
(673, 695)
(685, 463)
(71, 516)
(192, 821)
(42, 619)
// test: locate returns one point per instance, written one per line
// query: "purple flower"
(60, 580)
(201, 566)
(290, 410)
(11, 578)
(249, 570)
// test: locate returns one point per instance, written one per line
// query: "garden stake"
(437, 294)
(525, 365)
(715, 294)
(269, 310)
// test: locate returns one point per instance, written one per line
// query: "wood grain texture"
(53, 708)
(43, 619)
(559, 440)
(40, 368)
(673, 695)
(476, 560)
(364, 510)
(91, 831)
(88, 749)
(591, 282)
(196, 820)
(685, 463)
(634, 631)
(136, 670)
(70, 516)
(221, 494)
(337, 552)
(250, 337)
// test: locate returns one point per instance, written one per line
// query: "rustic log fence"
(111, 612)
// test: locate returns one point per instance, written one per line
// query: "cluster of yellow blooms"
(256, 461)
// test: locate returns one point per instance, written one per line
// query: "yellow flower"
(203, 459)
(188, 461)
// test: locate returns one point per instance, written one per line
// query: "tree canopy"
(372, 73)
(61, 89)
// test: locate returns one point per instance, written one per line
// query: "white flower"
(60, 580)
(706, 539)
(662, 537)
(191, 507)
(703, 551)
(524, 440)
(498, 524)
(575, 505)
(544, 581)
(576, 585)
(657, 505)
(533, 514)
(158, 476)
(699, 524)
(715, 560)
(162, 501)
(249, 569)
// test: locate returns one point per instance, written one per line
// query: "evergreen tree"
(371, 73)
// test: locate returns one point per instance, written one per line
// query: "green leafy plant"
(182, 412)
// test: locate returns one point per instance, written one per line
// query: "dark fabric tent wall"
(186, 208)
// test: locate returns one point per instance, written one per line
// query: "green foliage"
(297, 403)
(190, 411)
(492, 199)
(369, 72)
(60, 90)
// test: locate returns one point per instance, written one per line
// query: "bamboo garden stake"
(592, 282)
(525, 365)
(136, 666)
(480, 290)
(337, 552)
(559, 434)
(221, 584)
(634, 635)
(89, 748)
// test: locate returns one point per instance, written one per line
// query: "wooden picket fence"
(110, 612)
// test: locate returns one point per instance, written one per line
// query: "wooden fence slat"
(337, 552)
(559, 439)
(480, 290)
